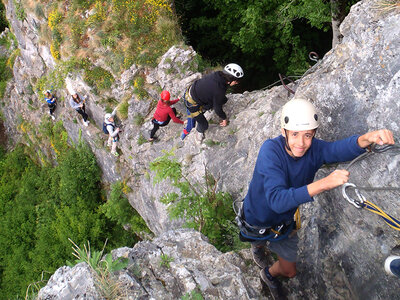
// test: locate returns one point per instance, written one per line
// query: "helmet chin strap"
(288, 147)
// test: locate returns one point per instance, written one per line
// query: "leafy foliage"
(131, 31)
(265, 37)
(41, 206)
(200, 205)
(98, 77)
(118, 209)
(19, 10)
(193, 295)
(138, 87)
(104, 268)
(5, 74)
(165, 260)
(3, 19)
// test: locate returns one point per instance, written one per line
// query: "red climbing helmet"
(165, 95)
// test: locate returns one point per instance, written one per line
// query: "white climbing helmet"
(234, 69)
(299, 114)
(107, 116)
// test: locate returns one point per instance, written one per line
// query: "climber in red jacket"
(164, 113)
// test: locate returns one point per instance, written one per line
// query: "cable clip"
(359, 203)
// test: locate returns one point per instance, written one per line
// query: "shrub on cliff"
(42, 205)
(198, 203)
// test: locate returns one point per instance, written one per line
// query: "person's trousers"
(157, 125)
(202, 123)
(52, 107)
(83, 114)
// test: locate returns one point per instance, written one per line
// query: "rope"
(374, 149)
(391, 221)
(361, 202)
(312, 56)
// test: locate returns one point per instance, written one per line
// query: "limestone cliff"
(356, 87)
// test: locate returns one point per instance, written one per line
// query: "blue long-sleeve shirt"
(279, 183)
(50, 100)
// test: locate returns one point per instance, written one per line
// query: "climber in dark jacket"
(209, 93)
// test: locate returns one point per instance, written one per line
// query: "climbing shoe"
(392, 265)
(274, 285)
(115, 154)
(259, 256)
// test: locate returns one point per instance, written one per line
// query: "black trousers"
(52, 107)
(82, 112)
(202, 123)
(156, 125)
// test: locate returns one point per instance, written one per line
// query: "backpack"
(105, 127)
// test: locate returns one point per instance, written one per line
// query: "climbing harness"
(360, 201)
(192, 106)
(192, 110)
(275, 233)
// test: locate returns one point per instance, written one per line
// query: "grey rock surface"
(70, 283)
(355, 88)
(176, 264)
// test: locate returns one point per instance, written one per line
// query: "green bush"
(42, 205)
(39, 12)
(123, 110)
(98, 78)
(12, 58)
(199, 204)
(78, 28)
(118, 209)
(5, 74)
(82, 4)
(56, 77)
(138, 88)
(19, 10)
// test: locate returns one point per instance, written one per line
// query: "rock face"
(356, 88)
(71, 283)
(175, 264)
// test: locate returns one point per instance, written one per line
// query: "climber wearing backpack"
(51, 102)
(112, 131)
(77, 102)
(283, 179)
(163, 114)
(209, 93)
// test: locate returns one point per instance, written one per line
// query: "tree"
(41, 206)
(266, 36)
(339, 10)
(199, 203)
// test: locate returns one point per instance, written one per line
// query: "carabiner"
(313, 56)
(357, 203)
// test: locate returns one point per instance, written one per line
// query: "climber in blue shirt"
(51, 102)
(283, 179)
